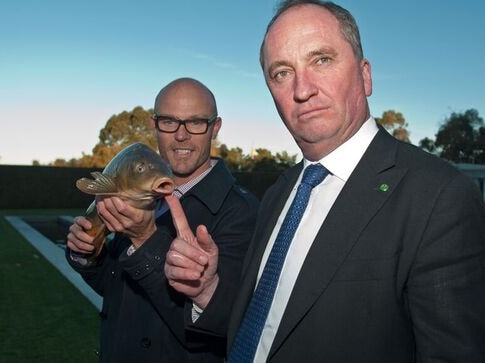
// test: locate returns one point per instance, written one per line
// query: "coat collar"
(213, 191)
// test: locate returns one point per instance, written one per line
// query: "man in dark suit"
(387, 262)
(143, 318)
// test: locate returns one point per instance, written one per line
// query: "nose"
(181, 133)
(304, 87)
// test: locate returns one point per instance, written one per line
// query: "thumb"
(205, 240)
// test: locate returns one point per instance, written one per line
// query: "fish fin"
(102, 184)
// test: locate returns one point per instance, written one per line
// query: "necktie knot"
(314, 174)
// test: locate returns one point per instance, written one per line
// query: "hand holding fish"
(120, 216)
(78, 240)
(126, 193)
(191, 263)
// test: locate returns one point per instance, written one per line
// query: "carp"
(137, 174)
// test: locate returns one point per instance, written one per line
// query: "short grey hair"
(348, 25)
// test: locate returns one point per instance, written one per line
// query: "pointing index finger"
(180, 220)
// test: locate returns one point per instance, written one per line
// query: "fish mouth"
(163, 186)
(160, 187)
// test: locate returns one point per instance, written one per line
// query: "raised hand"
(191, 263)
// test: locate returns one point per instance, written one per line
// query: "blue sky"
(67, 66)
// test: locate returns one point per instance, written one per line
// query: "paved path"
(55, 255)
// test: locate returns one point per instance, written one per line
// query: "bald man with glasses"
(143, 318)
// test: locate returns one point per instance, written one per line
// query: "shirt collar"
(342, 161)
(184, 188)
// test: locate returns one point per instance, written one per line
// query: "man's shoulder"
(401, 154)
(219, 173)
(244, 194)
(422, 161)
(236, 188)
(220, 187)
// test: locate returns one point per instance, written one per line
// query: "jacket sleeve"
(231, 230)
(145, 267)
(96, 275)
(446, 286)
(232, 237)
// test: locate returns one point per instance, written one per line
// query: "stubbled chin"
(182, 168)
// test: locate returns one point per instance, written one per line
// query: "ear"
(366, 76)
(216, 127)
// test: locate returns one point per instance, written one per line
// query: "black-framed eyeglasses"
(196, 126)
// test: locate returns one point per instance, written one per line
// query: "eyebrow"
(277, 64)
(311, 54)
(321, 51)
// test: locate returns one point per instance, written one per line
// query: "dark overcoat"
(143, 319)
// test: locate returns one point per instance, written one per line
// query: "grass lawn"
(43, 317)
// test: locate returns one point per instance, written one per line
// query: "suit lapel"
(273, 203)
(272, 208)
(360, 199)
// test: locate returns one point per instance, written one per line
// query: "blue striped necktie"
(249, 333)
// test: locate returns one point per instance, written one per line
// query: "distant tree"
(120, 131)
(215, 148)
(86, 161)
(35, 162)
(128, 127)
(285, 160)
(428, 145)
(67, 163)
(461, 138)
(59, 162)
(234, 157)
(395, 123)
(259, 160)
(264, 160)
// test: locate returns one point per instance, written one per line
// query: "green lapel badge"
(383, 187)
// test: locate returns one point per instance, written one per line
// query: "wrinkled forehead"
(299, 25)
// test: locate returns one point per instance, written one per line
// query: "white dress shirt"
(340, 163)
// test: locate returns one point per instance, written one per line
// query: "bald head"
(186, 100)
(186, 95)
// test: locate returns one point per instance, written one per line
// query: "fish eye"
(140, 168)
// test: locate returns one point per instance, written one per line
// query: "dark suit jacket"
(143, 319)
(392, 276)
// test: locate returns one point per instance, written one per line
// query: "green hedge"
(54, 187)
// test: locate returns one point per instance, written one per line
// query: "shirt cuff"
(78, 258)
(131, 250)
(196, 311)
